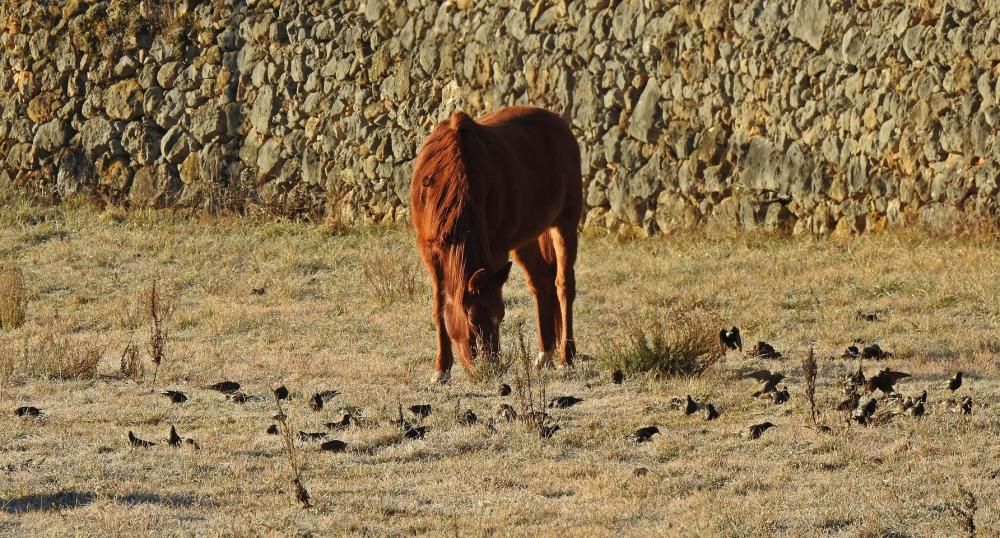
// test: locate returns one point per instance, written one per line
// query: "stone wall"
(811, 116)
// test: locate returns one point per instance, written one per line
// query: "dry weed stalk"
(530, 385)
(131, 364)
(12, 297)
(301, 493)
(809, 370)
(159, 314)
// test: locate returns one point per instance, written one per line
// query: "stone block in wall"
(175, 145)
(50, 137)
(123, 101)
(154, 186)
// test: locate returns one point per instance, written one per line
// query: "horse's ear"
(500, 277)
(477, 281)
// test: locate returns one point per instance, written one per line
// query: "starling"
(690, 407)
(194, 444)
(563, 402)
(225, 387)
(858, 378)
(421, 410)
(640, 471)
(922, 398)
(281, 393)
(884, 381)
(852, 352)
(414, 432)
(850, 403)
(677, 403)
(731, 339)
(311, 436)
(504, 389)
(764, 350)
(239, 397)
(327, 395)
(28, 411)
(643, 434)
(333, 445)
(301, 493)
(468, 418)
(272, 429)
(916, 410)
(864, 415)
(768, 379)
(546, 432)
(710, 412)
(874, 352)
(316, 402)
(781, 396)
(343, 424)
(175, 440)
(966, 407)
(136, 442)
(506, 412)
(866, 316)
(258, 291)
(757, 430)
(175, 396)
(955, 382)
(617, 377)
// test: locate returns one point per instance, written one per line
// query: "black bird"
(731, 339)
(258, 291)
(327, 395)
(757, 430)
(769, 379)
(916, 410)
(955, 382)
(175, 396)
(343, 424)
(546, 432)
(239, 397)
(316, 402)
(864, 415)
(272, 429)
(281, 393)
(858, 378)
(333, 445)
(710, 412)
(301, 493)
(643, 434)
(140, 443)
(468, 418)
(225, 387)
(884, 381)
(504, 389)
(506, 412)
(421, 410)
(780, 396)
(563, 402)
(617, 377)
(311, 436)
(866, 316)
(194, 444)
(852, 352)
(922, 398)
(690, 406)
(874, 352)
(28, 411)
(414, 432)
(850, 403)
(765, 351)
(175, 440)
(966, 405)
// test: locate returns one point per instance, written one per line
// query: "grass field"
(349, 310)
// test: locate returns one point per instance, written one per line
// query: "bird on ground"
(643, 434)
(506, 412)
(768, 379)
(857, 379)
(333, 445)
(863, 416)
(563, 402)
(28, 411)
(955, 382)
(240, 397)
(546, 432)
(874, 352)
(640, 471)
(866, 316)
(412, 431)
(175, 396)
(272, 429)
(731, 339)
(301, 493)
(780, 396)
(966, 407)
(691, 406)
(617, 377)
(225, 387)
(139, 443)
(916, 410)
(281, 393)
(504, 389)
(850, 403)
(316, 402)
(174, 440)
(852, 352)
(922, 398)
(764, 350)
(710, 412)
(342, 424)
(884, 381)
(420, 410)
(311, 436)
(757, 430)
(468, 418)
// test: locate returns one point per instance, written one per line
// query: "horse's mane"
(442, 184)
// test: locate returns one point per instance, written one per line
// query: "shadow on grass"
(74, 499)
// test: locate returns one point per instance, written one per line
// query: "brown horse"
(508, 183)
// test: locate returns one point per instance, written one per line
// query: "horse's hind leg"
(541, 274)
(564, 242)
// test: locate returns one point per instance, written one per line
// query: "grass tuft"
(52, 356)
(389, 277)
(680, 343)
(12, 297)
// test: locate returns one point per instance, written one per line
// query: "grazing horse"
(507, 184)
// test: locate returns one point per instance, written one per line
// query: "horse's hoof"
(441, 378)
(544, 360)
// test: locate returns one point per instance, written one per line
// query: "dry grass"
(53, 355)
(321, 326)
(12, 297)
(680, 342)
(389, 276)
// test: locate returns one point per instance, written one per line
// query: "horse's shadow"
(74, 499)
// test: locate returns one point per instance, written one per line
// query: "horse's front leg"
(444, 358)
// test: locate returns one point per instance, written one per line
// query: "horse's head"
(473, 319)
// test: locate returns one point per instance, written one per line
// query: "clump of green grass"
(679, 343)
(12, 297)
